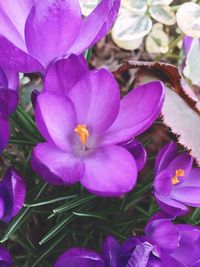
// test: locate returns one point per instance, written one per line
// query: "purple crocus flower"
(12, 195)
(83, 126)
(5, 258)
(8, 103)
(34, 33)
(163, 245)
(176, 184)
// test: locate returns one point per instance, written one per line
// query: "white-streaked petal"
(138, 7)
(163, 14)
(87, 6)
(157, 41)
(161, 2)
(188, 19)
(129, 30)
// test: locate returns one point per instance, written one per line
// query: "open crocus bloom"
(83, 128)
(177, 184)
(8, 103)
(12, 195)
(5, 257)
(34, 33)
(163, 245)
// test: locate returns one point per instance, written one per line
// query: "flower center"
(175, 178)
(82, 132)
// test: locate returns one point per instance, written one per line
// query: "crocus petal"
(183, 161)
(4, 132)
(138, 110)
(140, 256)
(13, 19)
(170, 205)
(102, 173)
(13, 79)
(56, 166)
(187, 41)
(16, 59)
(14, 184)
(188, 195)
(2, 204)
(163, 183)
(170, 261)
(166, 235)
(53, 17)
(110, 252)
(5, 257)
(77, 257)
(96, 99)
(138, 151)
(165, 156)
(55, 118)
(192, 179)
(96, 25)
(8, 101)
(64, 74)
(3, 79)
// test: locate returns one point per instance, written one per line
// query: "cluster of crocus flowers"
(12, 195)
(176, 183)
(84, 124)
(164, 244)
(35, 33)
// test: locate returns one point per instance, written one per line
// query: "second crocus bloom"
(177, 184)
(83, 128)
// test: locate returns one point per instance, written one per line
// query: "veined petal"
(96, 99)
(188, 195)
(165, 156)
(111, 171)
(51, 28)
(4, 132)
(8, 101)
(163, 183)
(138, 110)
(170, 205)
(192, 179)
(55, 165)
(16, 59)
(14, 184)
(55, 118)
(65, 73)
(138, 151)
(13, 15)
(110, 252)
(96, 25)
(77, 257)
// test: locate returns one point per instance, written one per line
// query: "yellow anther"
(179, 173)
(82, 132)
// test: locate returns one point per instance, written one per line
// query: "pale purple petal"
(187, 41)
(79, 257)
(183, 161)
(14, 183)
(192, 178)
(110, 252)
(111, 171)
(96, 25)
(171, 206)
(51, 28)
(16, 59)
(138, 110)
(65, 73)
(55, 165)
(165, 156)
(5, 257)
(56, 119)
(188, 195)
(166, 235)
(168, 261)
(96, 99)
(141, 255)
(163, 183)
(138, 151)
(4, 132)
